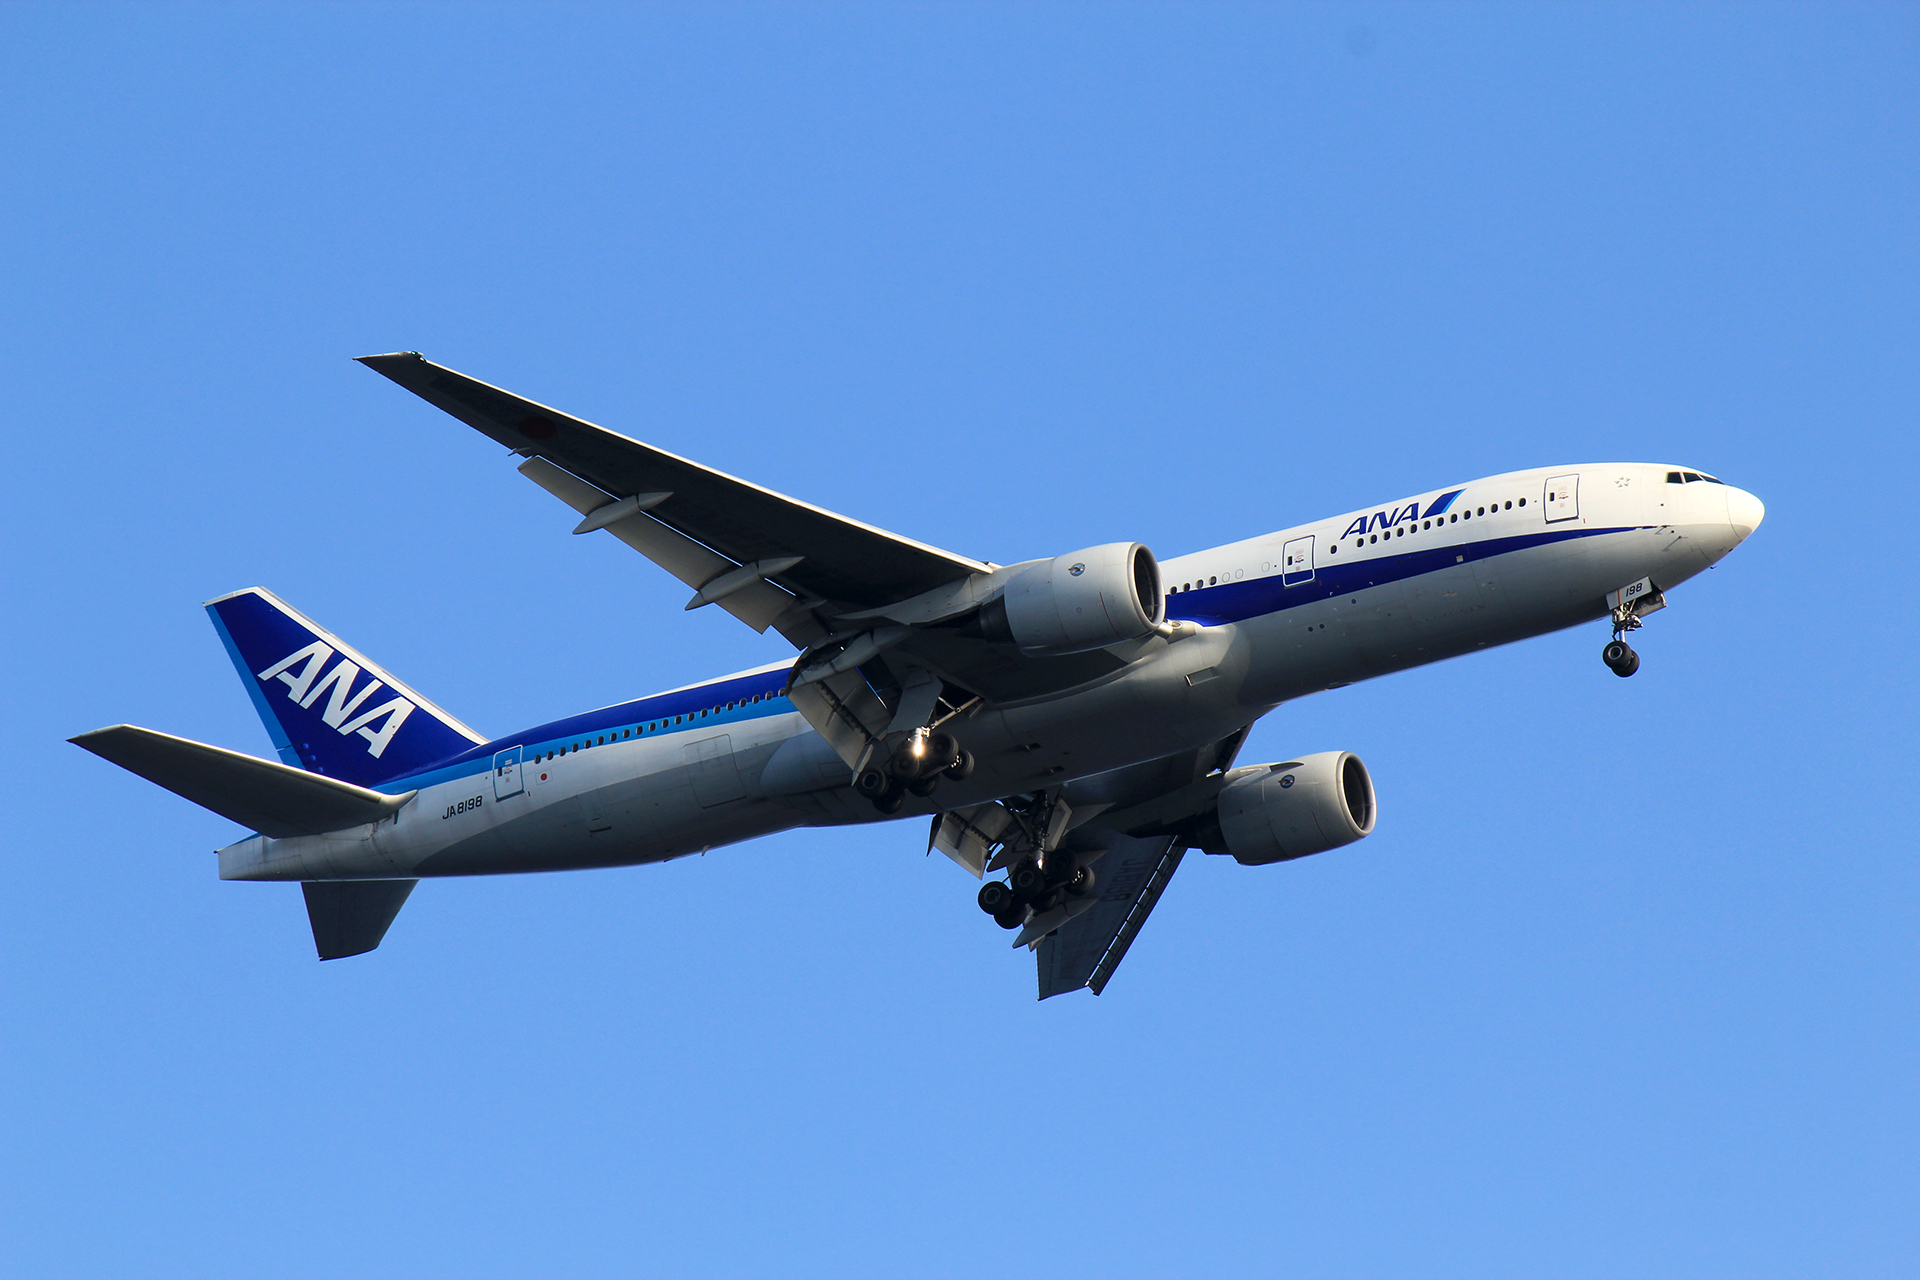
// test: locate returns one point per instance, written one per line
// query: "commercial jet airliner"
(1068, 726)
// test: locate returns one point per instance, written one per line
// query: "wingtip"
(389, 357)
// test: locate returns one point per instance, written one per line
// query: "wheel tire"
(1012, 918)
(905, 764)
(995, 898)
(1027, 881)
(962, 769)
(1630, 665)
(892, 802)
(942, 750)
(1615, 653)
(872, 783)
(1082, 883)
(924, 786)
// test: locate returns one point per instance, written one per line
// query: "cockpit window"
(1674, 477)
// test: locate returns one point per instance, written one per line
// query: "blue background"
(1625, 982)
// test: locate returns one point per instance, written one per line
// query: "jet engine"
(1082, 600)
(1275, 812)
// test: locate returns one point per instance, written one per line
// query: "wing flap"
(758, 604)
(263, 795)
(1086, 950)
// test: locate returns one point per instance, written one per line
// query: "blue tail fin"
(327, 708)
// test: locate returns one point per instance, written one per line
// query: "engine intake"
(1083, 600)
(1305, 806)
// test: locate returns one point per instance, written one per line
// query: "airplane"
(1069, 726)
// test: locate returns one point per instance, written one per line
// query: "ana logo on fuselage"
(1392, 518)
(305, 685)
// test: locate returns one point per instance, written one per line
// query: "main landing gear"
(1042, 878)
(916, 766)
(1034, 886)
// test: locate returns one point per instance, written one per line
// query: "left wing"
(1085, 951)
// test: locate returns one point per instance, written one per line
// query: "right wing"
(824, 555)
(825, 582)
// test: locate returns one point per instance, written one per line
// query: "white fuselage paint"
(1488, 571)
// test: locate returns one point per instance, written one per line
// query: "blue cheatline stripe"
(281, 743)
(628, 717)
(1238, 601)
(1441, 503)
(1211, 606)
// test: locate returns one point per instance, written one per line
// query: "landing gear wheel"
(962, 768)
(924, 786)
(892, 802)
(995, 898)
(1082, 883)
(1012, 918)
(872, 783)
(1620, 658)
(1027, 881)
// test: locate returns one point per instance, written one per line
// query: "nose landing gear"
(1620, 657)
(1628, 605)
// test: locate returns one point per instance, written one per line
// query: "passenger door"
(1296, 562)
(506, 774)
(1562, 499)
(712, 771)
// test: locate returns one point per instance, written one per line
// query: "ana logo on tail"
(306, 685)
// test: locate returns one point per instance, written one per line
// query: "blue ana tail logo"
(304, 690)
(327, 707)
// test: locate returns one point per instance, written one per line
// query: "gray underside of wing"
(842, 560)
(1132, 872)
(1086, 950)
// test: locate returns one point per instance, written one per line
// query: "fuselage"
(1260, 622)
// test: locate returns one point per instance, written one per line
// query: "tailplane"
(328, 708)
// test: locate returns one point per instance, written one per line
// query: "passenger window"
(1523, 502)
(1509, 505)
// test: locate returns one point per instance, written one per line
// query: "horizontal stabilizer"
(349, 917)
(274, 799)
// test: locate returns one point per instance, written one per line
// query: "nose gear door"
(1562, 499)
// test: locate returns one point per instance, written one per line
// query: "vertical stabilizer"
(328, 708)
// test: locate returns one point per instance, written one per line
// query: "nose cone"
(1744, 512)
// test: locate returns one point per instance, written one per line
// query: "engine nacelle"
(1305, 806)
(1082, 600)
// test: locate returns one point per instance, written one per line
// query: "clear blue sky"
(1625, 984)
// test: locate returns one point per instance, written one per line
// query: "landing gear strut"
(1618, 654)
